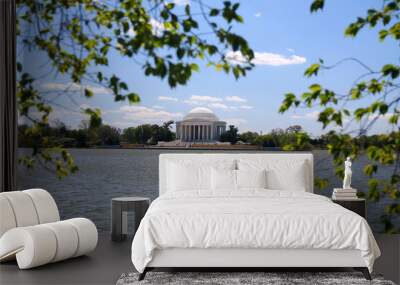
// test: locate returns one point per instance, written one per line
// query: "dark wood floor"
(106, 264)
(103, 266)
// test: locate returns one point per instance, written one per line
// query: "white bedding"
(250, 219)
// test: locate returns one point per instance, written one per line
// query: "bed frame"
(246, 259)
(234, 259)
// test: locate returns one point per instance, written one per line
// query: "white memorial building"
(200, 125)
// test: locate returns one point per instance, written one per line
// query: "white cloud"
(167, 98)
(118, 124)
(216, 102)
(130, 33)
(290, 50)
(142, 114)
(310, 115)
(258, 15)
(265, 58)
(196, 100)
(380, 117)
(157, 28)
(157, 107)
(235, 121)
(74, 87)
(218, 106)
(192, 102)
(85, 106)
(205, 98)
(235, 99)
(180, 2)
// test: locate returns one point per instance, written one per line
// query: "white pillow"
(251, 178)
(188, 175)
(293, 178)
(223, 179)
(282, 174)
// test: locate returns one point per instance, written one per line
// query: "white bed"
(272, 226)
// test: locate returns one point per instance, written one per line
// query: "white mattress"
(253, 219)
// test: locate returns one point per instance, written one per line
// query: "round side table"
(119, 215)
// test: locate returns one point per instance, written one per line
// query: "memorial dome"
(201, 114)
(200, 125)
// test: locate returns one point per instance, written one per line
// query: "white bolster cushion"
(23, 208)
(67, 240)
(37, 245)
(46, 207)
(26, 208)
(32, 246)
(87, 234)
(7, 218)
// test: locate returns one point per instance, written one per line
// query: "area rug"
(244, 278)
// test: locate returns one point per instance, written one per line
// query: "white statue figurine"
(347, 174)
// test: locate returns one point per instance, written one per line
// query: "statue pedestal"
(345, 190)
(344, 194)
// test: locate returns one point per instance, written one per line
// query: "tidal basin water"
(107, 173)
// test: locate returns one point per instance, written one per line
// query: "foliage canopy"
(78, 37)
(382, 88)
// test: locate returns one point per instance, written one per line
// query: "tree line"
(291, 138)
(59, 135)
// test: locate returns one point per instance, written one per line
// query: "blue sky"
(286, 37)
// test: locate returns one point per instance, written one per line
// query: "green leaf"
(375, 86)
(360, 112)
(321, 183)
(214, 12)
(312, 70)
(317, 5)
(290, 100)
(383, 34)
(370, 169)
(392, 70)
(383, 108)
(133, 98)
(194, 67)
(187, 10)
(88, 93)
(373, 193)
(394, 119)
(95, 117)
(180, 52)
(19, 67)
(355, 93)
(212, 49)
(100, 76)
(316, 88)
(353, 29)
(123, 86)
